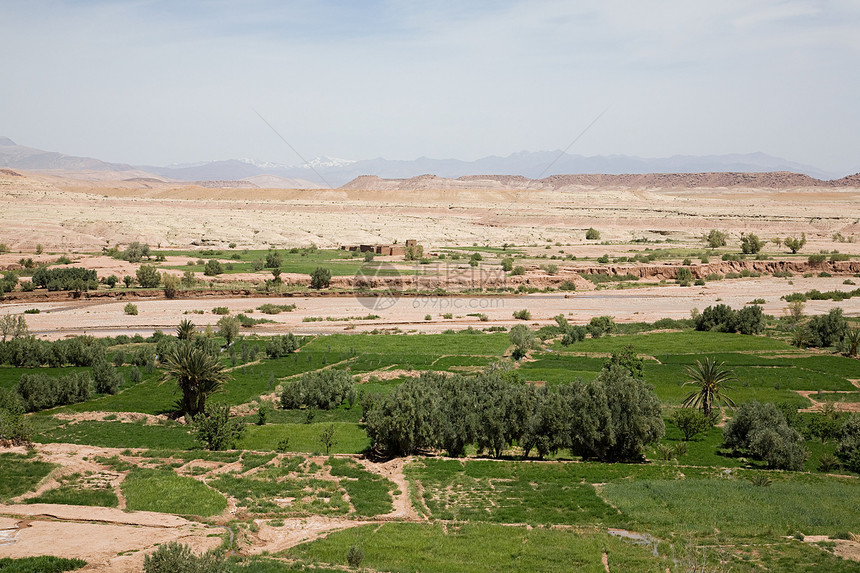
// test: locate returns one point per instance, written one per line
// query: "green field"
(480, 514)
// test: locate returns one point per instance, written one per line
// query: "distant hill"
(713, 180)
(541, 165)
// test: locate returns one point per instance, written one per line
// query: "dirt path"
(393, 470)
(108, 539)
(818, 406)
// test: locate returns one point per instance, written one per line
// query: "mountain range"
(329, 172)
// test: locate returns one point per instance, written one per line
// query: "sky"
(152, 82)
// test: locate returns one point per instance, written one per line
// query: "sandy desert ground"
(68, 215)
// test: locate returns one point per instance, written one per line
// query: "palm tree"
(197, 373)
(711, 377)
(852, 341)
(185, 330)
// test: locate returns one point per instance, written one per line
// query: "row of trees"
(722, 318)
(31, 352)
(610, 419)
(750, 243)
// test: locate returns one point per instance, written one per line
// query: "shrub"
(604, 259)
(567, 286)
(320, 278)
(173, 557)
(354, 556)
(130, 309)
(592, 234)
(323, 389)
(213, 268)
(684, 276)
(518, 271)
(148, 276)
(523, 314)
(507, 264)
(221, 310)
(550, 269)
(134, 253)
(415, 252)
(600, 325)
(751, 244)
(214, 429)
(816, 259)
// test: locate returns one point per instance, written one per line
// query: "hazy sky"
(159, 82)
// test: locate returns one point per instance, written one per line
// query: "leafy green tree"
(111, 281)
(320, 278)
(762, 431)
(197, 373)
(171, 285)
(13, 326)
(718, 318)
(715, 239)
(614, 417)
(851, 341)
(228, 328)
(600, 325)
(592, 234)
(547, 423)
(750, 320)
(507, 264)
(273, 259)
(14, 425)
(458, 412)
(690, 422)
(794, 244)
(684, 276)
(712, 379)
(848, 449)
(322, 389)
(106, 378)
(405, 420)
(278, 346)
(751, 244)
(826, 329)
(327, 439)
(215, 430)
(523, 339)
(148, 276)
(627, 359)
(188, 279)
(128, 280)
